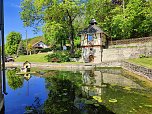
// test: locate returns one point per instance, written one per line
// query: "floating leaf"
(113, 100)
(150, 106)
(97, 98)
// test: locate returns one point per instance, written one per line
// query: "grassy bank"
(147, 62)
(32, 58)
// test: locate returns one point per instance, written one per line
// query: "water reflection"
(66, 96)
(85, 92)
(14, 81)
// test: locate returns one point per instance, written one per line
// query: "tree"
(52, 12)
(21, 48)
(29, 48)
(12, 42)
(122, 19)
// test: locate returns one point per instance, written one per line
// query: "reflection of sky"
(16, 100)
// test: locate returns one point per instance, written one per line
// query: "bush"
(143, 56)
(60, 56)
(77, 54)
(46, 50)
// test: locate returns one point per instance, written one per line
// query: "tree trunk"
(71, 38)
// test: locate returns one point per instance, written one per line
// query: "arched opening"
(91, 58)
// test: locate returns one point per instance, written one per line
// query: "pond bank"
(137, 69)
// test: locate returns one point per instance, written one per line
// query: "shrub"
(143, 56)
(77, 54)
(60, 56)
(46, 50)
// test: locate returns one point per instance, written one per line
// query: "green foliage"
(62, 20)
(46, 50)
(21, 49)
(77, 54)
(131, 21)
(57, 17)
(60, 56)
(12, 42)
(14, 81)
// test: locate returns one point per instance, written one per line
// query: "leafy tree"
(122, 19)
(12, 42)
(21, 48)
(29, 48)
(56, 15)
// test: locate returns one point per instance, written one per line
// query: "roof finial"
(93, 22)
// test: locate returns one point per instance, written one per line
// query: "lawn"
(38, 58)
(147, 62)
(32, 58)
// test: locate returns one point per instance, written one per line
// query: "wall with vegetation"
(138, 69)
(115, 54)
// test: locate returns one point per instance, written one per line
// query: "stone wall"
(130, 41)
(115, 54)
(137, 69)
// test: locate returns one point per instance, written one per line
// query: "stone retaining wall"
(85, 66)
(137, 69)
(129, 41)
(116, 54)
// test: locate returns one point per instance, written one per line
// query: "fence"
(133, 40)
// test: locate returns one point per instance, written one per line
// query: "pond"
(102, 91)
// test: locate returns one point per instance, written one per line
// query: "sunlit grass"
(38, 58)
(147, 62)
(32, 58)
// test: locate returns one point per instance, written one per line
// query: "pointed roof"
(92, 28)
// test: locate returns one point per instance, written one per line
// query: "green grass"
(147, 62)
(38, 58)
(31, 58)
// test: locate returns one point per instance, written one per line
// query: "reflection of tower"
(27, 77)
(93, 83)
(27, 92)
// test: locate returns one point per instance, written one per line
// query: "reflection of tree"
(65, 96)
(35, 108)
(61, 97)
(14, 81)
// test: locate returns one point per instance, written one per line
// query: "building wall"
(96, 52)
(96, 43)
(41, 44)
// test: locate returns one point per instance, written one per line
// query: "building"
(26, 67)
(40, 45)
(93, 41)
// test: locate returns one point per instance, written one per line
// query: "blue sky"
(12, 21)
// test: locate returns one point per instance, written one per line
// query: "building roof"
(26, 62)
(91, 29)
(37, 43)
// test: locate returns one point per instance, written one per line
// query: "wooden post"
(2, 43)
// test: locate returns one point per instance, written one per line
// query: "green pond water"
(102, 91)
